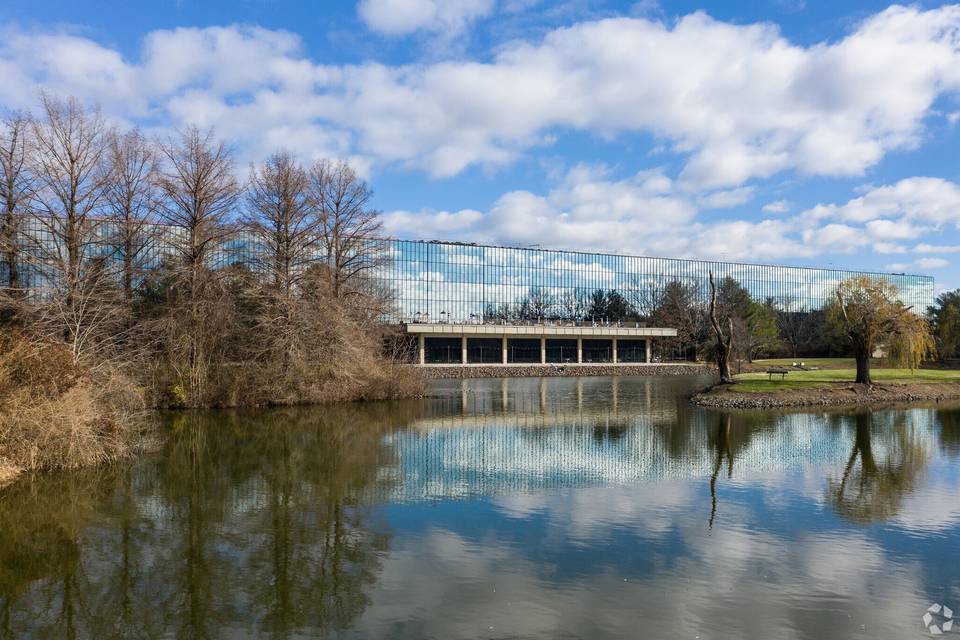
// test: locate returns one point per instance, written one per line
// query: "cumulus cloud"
(919, 199)
(884, 217)
(932, 263)
(649, 213)
(924, 247)
(402, 17)
(645, 213)
(737, 101)
(778, 206)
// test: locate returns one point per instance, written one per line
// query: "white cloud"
(650, 214)
(922, 263)
(885, 215)
(645, 214)
(921, 199)
(778, 206)
(737, 101)
(727, 198)
(932, 263)
(888, 247)
(402, 17)
(923, 247)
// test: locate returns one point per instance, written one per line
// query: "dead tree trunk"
(724, 342)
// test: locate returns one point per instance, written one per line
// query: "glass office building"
(436, 281)
(456, 282)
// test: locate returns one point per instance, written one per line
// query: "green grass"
(822, 363)
(797, 379)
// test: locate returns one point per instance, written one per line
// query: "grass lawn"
(822, 363)
(797, 379)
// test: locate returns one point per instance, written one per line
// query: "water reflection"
(523, 508)
(244, 519)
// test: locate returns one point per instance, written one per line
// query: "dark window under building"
(484, 350)
(522, 350)
(561, 350)
(631, 350)
(598, 350)
(442, 350)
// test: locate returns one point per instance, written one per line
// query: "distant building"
(438, 282)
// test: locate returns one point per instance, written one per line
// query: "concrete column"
(421, 349)
(647, 343)
(543, 350)
(463, 350)
(614, 351)
(579, 350)
(504, 347)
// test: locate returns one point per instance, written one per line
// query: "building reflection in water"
(270, 522)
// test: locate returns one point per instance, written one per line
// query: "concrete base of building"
(444, 372)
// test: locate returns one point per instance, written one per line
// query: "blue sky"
(784, 131)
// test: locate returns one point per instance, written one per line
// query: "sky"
(776, 131)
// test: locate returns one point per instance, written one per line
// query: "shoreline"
(843, 394)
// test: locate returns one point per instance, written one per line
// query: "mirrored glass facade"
(455, 282)
(458, 282)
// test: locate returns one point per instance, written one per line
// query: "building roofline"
(631, 255)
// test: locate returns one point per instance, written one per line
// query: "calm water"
(562, 508)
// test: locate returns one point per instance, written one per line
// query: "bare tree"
(71, 180)
(573, 303)
(131, 199)
(646, 295)
(724, 342)
(198, 192)
(282, 217)
(349, 227)
(678, 305)
(16, 188)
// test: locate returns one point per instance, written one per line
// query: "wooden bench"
(777, 372)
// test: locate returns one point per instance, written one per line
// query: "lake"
(521, 508)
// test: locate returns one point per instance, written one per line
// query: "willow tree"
(870, 314)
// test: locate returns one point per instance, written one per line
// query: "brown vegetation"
(55, 413)
(120, 291)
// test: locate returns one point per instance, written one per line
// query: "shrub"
(57, 414)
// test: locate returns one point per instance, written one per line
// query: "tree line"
(757, 328)
(761, 327)
(112, 246)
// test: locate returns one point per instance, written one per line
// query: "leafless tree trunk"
(724, 343)
(16, 188)
(71, 179)
(132, 199)
(198, 192)
(349, 228)
(282, 217)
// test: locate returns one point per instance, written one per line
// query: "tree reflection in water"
(252, 521)
(269, 523)
(731, 436)
(949, 423)
(886, 463)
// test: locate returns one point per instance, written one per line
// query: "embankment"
(842, 394)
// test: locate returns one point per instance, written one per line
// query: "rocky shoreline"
(571, 370)
(835, 395)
